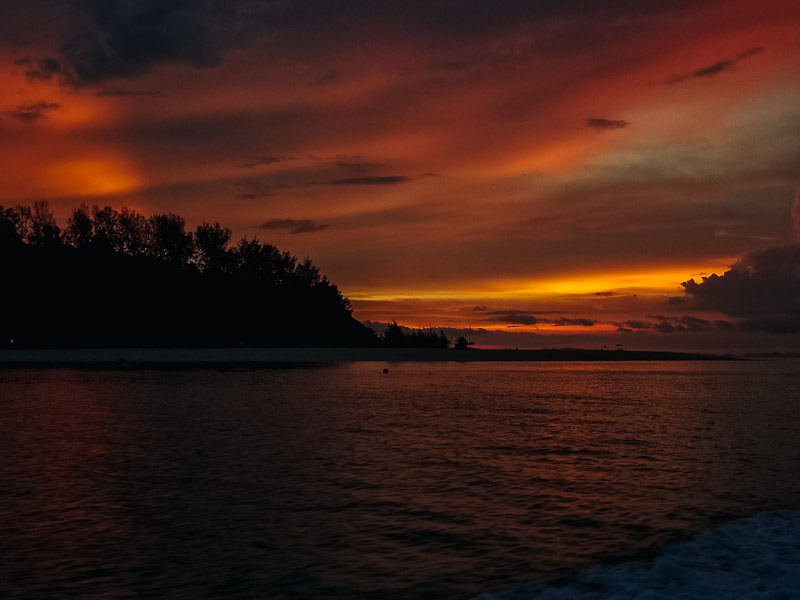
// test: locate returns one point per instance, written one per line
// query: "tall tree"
(80, 227)
(170, 242)
(43, 228)
(211, 247)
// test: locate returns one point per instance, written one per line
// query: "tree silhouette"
(211, 247)
(397, 336)
(169, 240)
(462, 343)
(80, 227)
(43, 228)
(11, 227)
(118, 278)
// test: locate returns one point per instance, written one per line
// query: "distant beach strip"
(265, 357)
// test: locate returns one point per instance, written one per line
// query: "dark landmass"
(114, 279)
(126, 358)
(117, 279)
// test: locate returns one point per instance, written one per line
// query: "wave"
(753, 558)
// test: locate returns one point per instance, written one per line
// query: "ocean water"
(505, 481)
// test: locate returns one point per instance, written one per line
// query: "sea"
(490, 481)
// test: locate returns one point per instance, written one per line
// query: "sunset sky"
(545, 173)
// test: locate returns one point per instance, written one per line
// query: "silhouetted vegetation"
(397, 336)
(462, 343)
(118, 278)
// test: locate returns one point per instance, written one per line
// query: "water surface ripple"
(431, 481)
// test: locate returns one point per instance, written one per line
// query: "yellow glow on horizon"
(663, 280)
(654, 281)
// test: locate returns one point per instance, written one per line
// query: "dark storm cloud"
(694, 324)
(514, 318)
(479, 307)
(690, 324)
(32, 111)
(662, 324)
(717, 67)
(764, 284)
(679, 324)
(605, 294)
(390, 180)
(606, 123)
(106, 39)
(293, 225)
(44, 70)
(126, 39)
(663, 327)
(564, 322)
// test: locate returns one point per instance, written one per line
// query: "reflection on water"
(431, 481)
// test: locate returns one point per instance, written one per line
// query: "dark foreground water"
(539, 480)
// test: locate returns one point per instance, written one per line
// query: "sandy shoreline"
(162, 357)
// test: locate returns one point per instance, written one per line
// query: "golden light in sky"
(90, 177)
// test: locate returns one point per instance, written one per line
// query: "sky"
(537, 174)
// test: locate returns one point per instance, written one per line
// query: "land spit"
(263, 357)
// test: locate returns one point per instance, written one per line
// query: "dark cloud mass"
(390, 180)
(606, 123)
(678, 324)
(717, 67)
(513, 318)
(662, 324)
(293, 225)
(564, 322)
(762, 284)
(45, 70)
(634, 326)
(694, 324)
(32, 111)
(127, 38)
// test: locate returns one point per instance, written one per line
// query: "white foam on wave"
(753, 558)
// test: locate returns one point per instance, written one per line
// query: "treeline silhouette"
(397, 336)
(117, 278)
